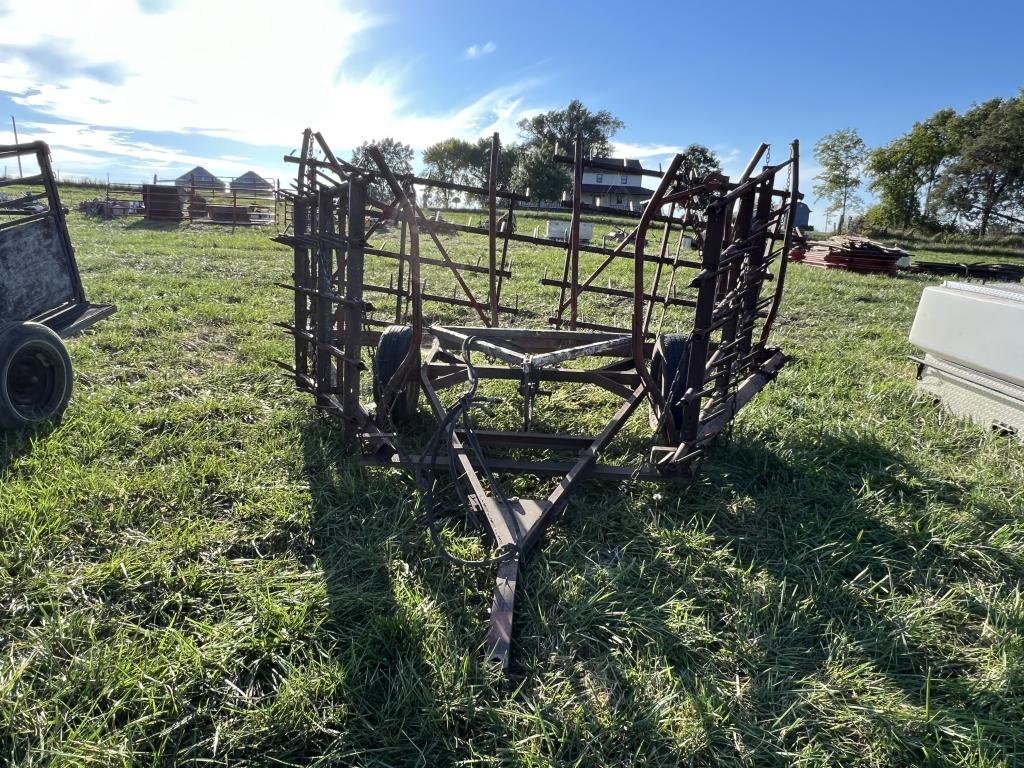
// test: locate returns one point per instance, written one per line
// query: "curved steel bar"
(653, 206)
(787, 242)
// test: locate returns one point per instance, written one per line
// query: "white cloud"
(476, 51)
(82, 149)
(62, 157)
(217, 70)
(640, 151)
(732, 156)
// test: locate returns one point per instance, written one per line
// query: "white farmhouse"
(616, 189)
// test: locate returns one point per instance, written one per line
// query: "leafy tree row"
(959, 172)
(522, 166)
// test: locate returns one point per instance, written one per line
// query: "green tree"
(908, 165)
(841, 156)
(699, 161)
(508, 159)
(986, 177)
(937, 141)
(449, 161)
(397, 155)
(463, 162)
(535, 172)
(896, 180)
(559, 128)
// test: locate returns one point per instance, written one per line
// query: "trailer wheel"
(35, 375)
(395, 343)
(668, 369)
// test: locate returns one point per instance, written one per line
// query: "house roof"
(201, 177)
(616, 189)
(626, 164)
(250, 180)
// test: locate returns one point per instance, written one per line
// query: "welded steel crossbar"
(694, 348)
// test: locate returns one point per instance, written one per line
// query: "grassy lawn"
(194, 571)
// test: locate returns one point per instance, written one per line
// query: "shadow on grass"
(801, 598)
(801, 605)
(17, 443)
(156, 225)
(914, 590)
(357, 521)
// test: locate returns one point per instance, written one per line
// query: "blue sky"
(158, 86)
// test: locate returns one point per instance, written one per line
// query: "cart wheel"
(671, 355)
(35, 375)
(395, 343)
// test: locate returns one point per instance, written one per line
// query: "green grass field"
(194, 571)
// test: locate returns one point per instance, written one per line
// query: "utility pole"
(14, 125)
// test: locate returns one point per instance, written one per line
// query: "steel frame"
(741, 227)
(72, 312)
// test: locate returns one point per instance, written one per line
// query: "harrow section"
(379, 287)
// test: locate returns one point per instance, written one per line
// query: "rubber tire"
(394, 344)
(29, 351)
(671, 353)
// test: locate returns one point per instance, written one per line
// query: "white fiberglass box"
(973, 337)
(559, 230)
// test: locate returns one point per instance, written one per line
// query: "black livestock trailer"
(42, 300)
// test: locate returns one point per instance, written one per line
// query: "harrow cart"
(692, 346)
(41, 296)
